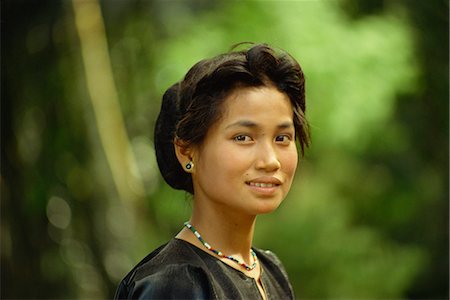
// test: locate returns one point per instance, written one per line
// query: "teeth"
(263, 185)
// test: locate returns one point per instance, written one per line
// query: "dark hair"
(191, 106)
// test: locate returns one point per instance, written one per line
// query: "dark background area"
(372, 216)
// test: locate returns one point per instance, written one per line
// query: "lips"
(261, 184)
(264, 182)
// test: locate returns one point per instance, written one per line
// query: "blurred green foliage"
(367, 216)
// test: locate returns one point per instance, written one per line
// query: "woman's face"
(248, 158)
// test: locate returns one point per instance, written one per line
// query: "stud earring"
(189, 165)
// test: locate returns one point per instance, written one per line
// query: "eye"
(242, 138)
(283, 139)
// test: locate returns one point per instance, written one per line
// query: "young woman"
(227, 135)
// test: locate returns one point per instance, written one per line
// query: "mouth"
(264, 185)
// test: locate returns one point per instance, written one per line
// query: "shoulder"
(269, 259)
(274, 271)
(172, 271)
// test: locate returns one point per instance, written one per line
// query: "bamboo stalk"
(104, 99)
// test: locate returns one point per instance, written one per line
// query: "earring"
(189, 165)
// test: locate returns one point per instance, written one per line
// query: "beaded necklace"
(241, 263)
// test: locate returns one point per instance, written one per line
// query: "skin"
(243, 168)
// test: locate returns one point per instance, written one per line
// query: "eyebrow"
(251, 124)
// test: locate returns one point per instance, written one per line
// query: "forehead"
(265, 102)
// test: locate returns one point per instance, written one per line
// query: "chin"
(267, 208)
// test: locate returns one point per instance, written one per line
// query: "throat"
(240, 262)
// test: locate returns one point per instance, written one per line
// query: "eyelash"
(242, 138)
(238, 137)
(289, 138)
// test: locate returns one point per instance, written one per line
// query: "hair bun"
(168, 164)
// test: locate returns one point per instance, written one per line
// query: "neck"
(226, 231)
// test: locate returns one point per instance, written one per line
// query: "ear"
(184, 153)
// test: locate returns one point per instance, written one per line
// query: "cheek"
(233, 164)
(224, 162)
(289, 163)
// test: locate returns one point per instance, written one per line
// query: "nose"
(267, 158)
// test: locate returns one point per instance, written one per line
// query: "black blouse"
(180, 270)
